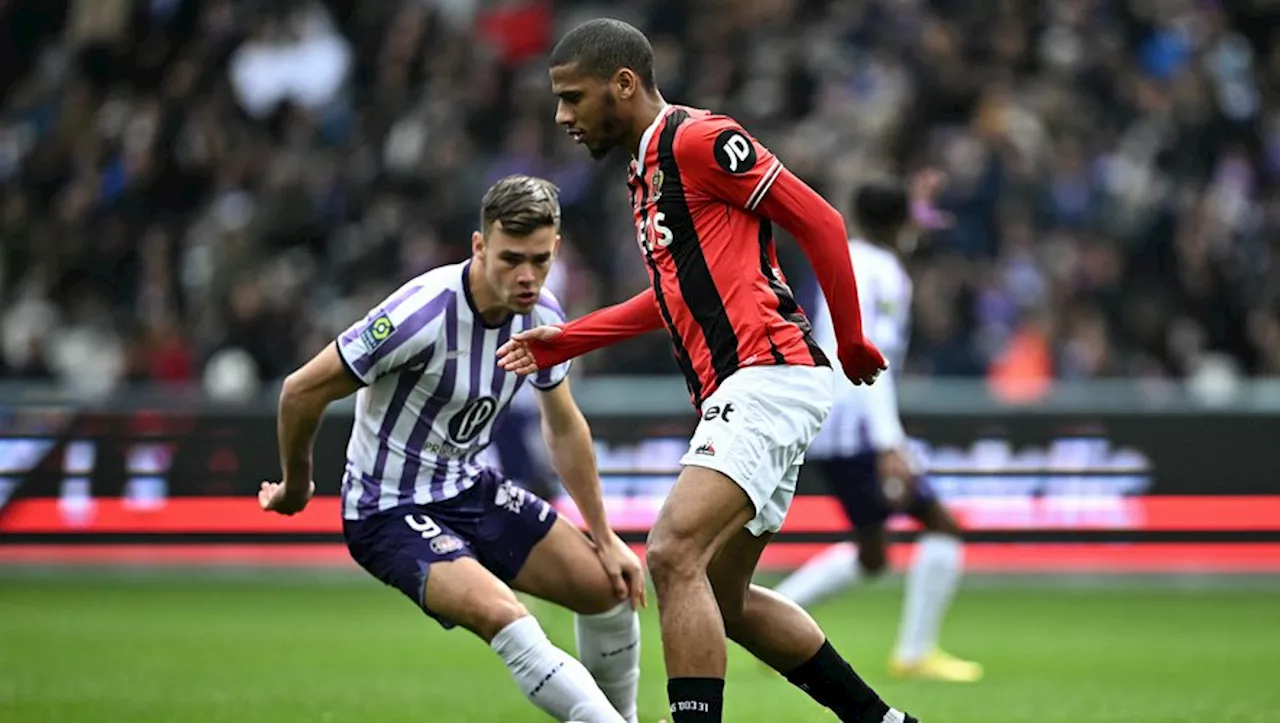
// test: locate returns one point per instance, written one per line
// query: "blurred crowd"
(208, 191)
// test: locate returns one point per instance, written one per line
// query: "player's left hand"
(624, 570)
(862, 361)
(897, 478)
(516, 356)
(277, 497)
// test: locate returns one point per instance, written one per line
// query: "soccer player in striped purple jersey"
(421, 514)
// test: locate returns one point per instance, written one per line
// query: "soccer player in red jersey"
(704, 192)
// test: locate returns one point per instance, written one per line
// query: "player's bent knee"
(593, 596)
(941, 521)
(671, 559)
(487, 618)
(701, 512)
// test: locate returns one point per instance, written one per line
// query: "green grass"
(170, 649)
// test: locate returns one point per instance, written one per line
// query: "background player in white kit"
(862, 449)
(421, 514)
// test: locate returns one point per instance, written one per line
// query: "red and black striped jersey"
(695, 185)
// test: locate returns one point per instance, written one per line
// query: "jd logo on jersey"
(718, 412)
(734, 153)
(466, 424)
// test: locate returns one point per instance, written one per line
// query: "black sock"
(696, 700)
(828, 679)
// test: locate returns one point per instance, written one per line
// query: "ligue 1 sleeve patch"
(734, 152)
(377, 332)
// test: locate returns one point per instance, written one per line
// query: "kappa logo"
(377, 332)
(510, 497)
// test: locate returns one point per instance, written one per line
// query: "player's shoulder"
(867, 252)
(716, 141)
(702, 127)
(548, 310)
(704, 120)
(427, 296)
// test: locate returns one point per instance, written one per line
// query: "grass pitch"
(182, 648)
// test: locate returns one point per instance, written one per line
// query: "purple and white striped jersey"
(433, 390)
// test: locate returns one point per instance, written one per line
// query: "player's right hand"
(516, 356)
(862, 361)
(624, 570)
(277, 497)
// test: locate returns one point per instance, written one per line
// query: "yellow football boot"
(937, 666)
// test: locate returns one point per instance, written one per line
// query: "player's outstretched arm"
(546, 346)
(569, 441)
(303, 398)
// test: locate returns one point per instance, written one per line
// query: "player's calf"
(701, 512)
(566, 569)
(609, 647)
(784, 636)
(931, 583)
(462, 591)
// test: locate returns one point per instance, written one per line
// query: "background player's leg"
(838, 567)
(703, 509)
(823, 575)
(564, 569)
(464, 592)
(852, 480)
(930, 587)
(781, 634)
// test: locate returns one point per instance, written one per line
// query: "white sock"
(931, 583)
(550, 678)
(609, 647)
(826, 573)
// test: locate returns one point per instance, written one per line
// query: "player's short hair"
(882, 208)
(520, 205)
(604, 46)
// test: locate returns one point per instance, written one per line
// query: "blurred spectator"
(294, 56)
(210, 189)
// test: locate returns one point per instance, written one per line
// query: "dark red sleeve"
(602, 327)
(820, 231)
